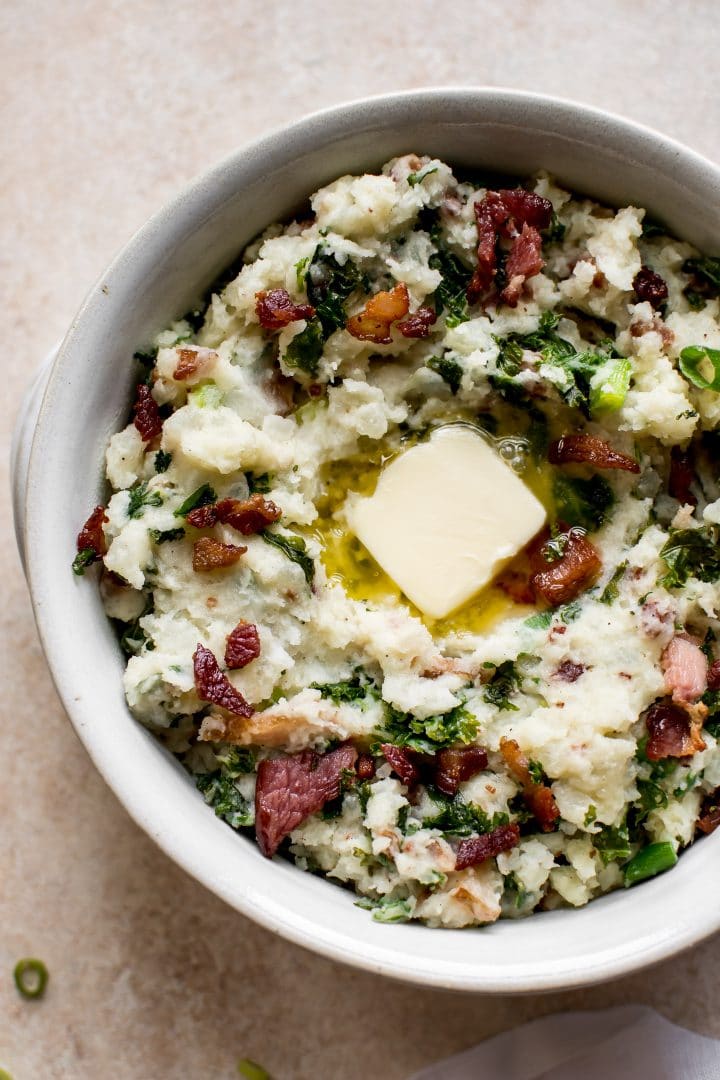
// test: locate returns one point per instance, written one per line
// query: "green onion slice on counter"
(31, 978)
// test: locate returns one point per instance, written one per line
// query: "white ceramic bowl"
(59, 478)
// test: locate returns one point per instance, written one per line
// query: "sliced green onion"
(200, 497)
(207, 395)
(652, 860)
(609, 386)
(31, 978)
(689, 363)
(252, 1071)
(83, 559)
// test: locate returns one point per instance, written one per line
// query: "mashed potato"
(541, 745)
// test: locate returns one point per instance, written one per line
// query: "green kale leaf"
(306, 348)
(450, 295)
(329, 284)
(428, 735)
(691, 553)
(459, 818)
(162, 461)
(583, 503)
(505, 681)
(200, 497)
(140, 497)
(220, 792)
(447, 369)
(351, 690)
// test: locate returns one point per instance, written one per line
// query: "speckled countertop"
(107, 110)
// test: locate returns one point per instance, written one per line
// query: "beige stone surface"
(107, 109)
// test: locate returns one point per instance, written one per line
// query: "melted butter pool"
(348, 562)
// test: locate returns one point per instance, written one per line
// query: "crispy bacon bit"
(365, 767)
(455, 765)
(565, 578)
(191, 361)
(210, 554)
(670, 732)
(202, 517)
(243, 645)
(640, 327)
(248, 516)
(477, 849)
(91, 536)
(147, 417)
(517, 586)
(281, 389)
(709, 817)
(685, 668)
(380, 312)
(647, 285)
(418, 324)
(290, 789)
(212, 685)
(713, 676)
(539, 797)
(507, 212)
(404, 763)
(569, 671)
(524, 261)
(588, 448)
(276, 309)
(682, 476)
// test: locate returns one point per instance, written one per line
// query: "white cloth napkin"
(631, 1042)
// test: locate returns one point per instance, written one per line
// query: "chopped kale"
(447, 369)
(259, 483)
(200, 497)
(706, 268)
(140, 497)
(195, 318)
(691, 553)
(134, 639)
(306, 348)
(167, 536)
(540, 621)
(296, 550)
(690, 781)
(652, 797)
(450, 296)
(329, 284)
(162, 461)
(83, 559)
(505, 681)
(613, 843)
(147, 360)
(459, 818)
(651, 227)
(555, 231)
(386, 909)
(428, 735)
(351, 690)
(584, 503)
(220, 792)
(611, 591)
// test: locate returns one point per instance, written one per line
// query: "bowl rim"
(382, 960)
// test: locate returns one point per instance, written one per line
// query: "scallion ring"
(689, 363)
(31, 977)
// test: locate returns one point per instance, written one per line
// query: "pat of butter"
(445, 517)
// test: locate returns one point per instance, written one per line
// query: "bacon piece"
(210, 554)
(455, 765)
(192, 361)
(517, 586)
(524, 261)
(276, 309)
(380, 312)
(709, 816)
(202, 517)
(566, 577)
(569, 671)
(682, 475)
(290, 789)
(418, 324)
(584, 448)
(685, 668)
(477, 849)
(670, 732)
(365, 767)
(647, 285)
(507, 212)
(248, 516)
(91, 536)
(243, 645)
(212, 685)
(539, 797)
(713, 676)
(147, 417)
(404, 763)
(640, 327)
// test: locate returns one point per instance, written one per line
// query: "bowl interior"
(160, 274)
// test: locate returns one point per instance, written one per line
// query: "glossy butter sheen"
(445, 517)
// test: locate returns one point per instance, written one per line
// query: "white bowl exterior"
(157, 277)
